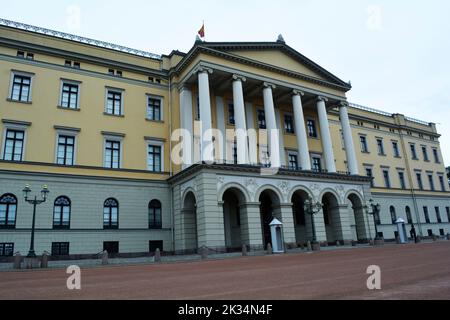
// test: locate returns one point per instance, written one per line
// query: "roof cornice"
(11, 43)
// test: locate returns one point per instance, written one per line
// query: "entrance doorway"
(269, 201)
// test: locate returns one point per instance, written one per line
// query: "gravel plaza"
(412, 271)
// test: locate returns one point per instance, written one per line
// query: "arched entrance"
(233, 199)
(269, 207)
(189, 220)
(331, 217)
(302, 220)
(357, 219)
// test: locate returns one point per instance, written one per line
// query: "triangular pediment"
(279, 59)
(277, 55)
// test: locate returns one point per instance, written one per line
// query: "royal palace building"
(204, 148)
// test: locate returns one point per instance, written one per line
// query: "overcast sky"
(395, 52)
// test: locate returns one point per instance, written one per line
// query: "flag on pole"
(201, 32)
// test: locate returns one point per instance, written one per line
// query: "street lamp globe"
(26, 191)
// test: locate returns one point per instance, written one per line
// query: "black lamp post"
(375, 211)
(34, 202)
(312, 209)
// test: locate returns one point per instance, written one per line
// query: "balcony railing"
(263, 165)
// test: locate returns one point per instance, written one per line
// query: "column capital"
(343, 104)
(237, 77)
(201, 69)
(184, 87)
(269, 85)
(296, 92)
(322, 98)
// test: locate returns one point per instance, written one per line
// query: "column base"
(379, 242)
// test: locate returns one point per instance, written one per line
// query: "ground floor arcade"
(224, 209)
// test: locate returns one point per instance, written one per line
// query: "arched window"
(154, 215)
(61, 213)
(408, 215)
(8, 211)
(111, 214)
(393, 215)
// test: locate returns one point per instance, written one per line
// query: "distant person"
(413, 233)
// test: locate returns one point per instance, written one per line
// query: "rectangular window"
(380, 147)
(235, 155)
(20, 54)
(154, 158)
(425, 153)
(401, 177)
(111, 246)
(431, 182)
(441, 182)
(311, 127)
(395, 148)
(60, 248)
(261, 119)
(66, 148)
(69, 96)
(413, 151)
(231, 114)
(264, 155)
(288, 123)
(112, 154)
(387, 181)
(419, 180)
(364, 147)
(21, 88)
(198, 109)
(153, 245)
(114, 103)
(369, 173)
(6, 249)
(110, 217)
(154, 109)
(14, 145)
(447, 209)
(30, 56)
(438, 215)
(436, 156)
(425, 213)
(76, 65)
(293, 161)
(316, 164)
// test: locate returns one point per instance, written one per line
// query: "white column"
(348, 140)
(220, 142)
(280, 125)
(252, 137)
(300, 131)
(207, 148)
(239, 120)
(186, 124)
(272, 133)
(325, 135)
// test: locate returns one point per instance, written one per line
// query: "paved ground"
(407, 272)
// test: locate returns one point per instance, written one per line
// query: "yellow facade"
(44, 114)
(128, 81)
